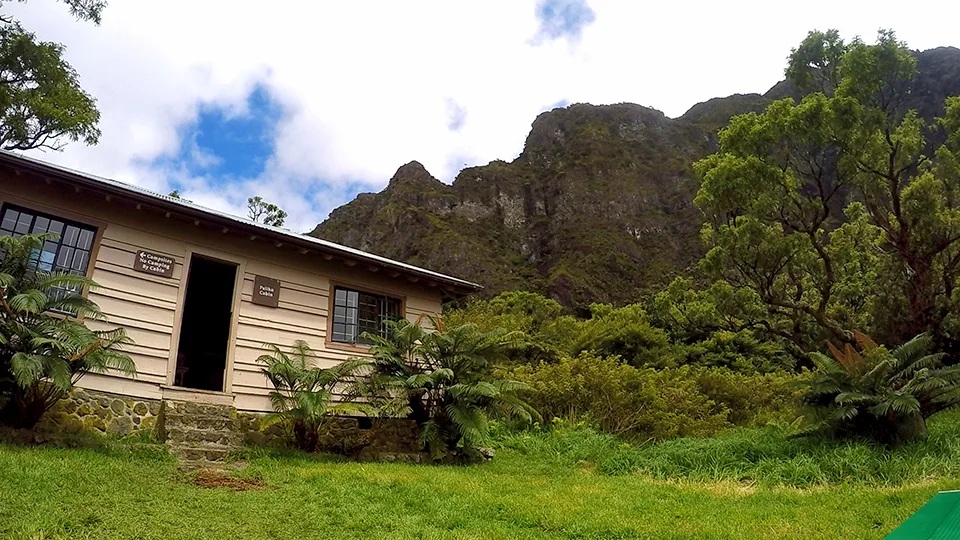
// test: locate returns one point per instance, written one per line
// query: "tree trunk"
(906, 429)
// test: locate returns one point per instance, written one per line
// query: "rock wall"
(365, 439)
(100, 412)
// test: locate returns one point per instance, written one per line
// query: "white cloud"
(364, 87)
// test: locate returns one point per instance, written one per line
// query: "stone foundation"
(365, 439)
(100, 412)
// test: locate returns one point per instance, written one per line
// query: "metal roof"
(196, 211)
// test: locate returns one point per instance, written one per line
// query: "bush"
(621, 399)
(655, 404)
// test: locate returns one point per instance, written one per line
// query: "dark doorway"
(205, 325)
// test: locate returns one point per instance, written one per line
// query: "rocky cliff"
(597, 208)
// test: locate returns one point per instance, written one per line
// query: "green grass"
(541, 485)
(765, 456)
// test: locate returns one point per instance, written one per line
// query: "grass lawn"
(50, 493)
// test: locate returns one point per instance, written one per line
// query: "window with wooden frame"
(356, 313)
(69, 252)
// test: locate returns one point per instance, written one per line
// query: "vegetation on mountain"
(41, 101)
(597, 208)
(46, 345)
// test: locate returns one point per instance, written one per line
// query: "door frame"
(220, 257)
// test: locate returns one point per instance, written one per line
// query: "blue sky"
(307, 104)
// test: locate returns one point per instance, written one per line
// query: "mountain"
(597, 208)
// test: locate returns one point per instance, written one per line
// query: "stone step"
(174, 407)
(201, 452)
(226, 437)
(200, 421)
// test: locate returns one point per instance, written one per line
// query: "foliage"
(261, 211)
(43, 355)
(546, 332)
(889, 261)
(720, 326)
(304, 396)
(648, 404)
(41, 101)
(879, 394)
(749, 457)
(717, 327)
(444, 381)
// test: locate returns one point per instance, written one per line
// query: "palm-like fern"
(444, 381)
(42, 354)
(880, 394)
(305, 396)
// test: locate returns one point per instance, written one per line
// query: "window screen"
(356, 312)
(69, 252)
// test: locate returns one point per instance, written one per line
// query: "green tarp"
(939, 519)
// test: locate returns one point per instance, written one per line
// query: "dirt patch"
(215, 479)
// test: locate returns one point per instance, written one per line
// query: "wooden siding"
(147, 306)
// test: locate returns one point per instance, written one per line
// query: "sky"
(309, 103)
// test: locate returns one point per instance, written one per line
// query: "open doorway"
(205, 325)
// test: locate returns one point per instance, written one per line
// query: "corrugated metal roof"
(268, 231)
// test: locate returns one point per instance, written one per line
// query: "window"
(355, 313)
(69, 253)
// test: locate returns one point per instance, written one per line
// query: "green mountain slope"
(597, 208)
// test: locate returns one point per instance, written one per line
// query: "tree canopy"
(835, 210)
(41, 100)
(261, 211)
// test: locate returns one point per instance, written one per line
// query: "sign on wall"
(152, 263)
(266, 291)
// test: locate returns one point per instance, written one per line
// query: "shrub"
(626, 333)
(656, 404)
(882, 395)
(621, 399)
(303, 395)
(445, 382)
(42, 356)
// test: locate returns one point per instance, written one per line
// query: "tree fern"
(304, 395)
(43, 356)
(880, 394)
(444, 381)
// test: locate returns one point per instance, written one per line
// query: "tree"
(882, 395)
(887, 263)
(41, 101)
(263, 212)
(303, 396)
(444, 381)
(45, 345)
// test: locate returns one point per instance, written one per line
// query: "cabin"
(199, 291)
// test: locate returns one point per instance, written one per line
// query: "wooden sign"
(151, 263)
(266, 291)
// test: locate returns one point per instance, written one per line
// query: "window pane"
(86, 240)
(9, 220)
(70, 236)
(23, 224)
(56, 227)
(79, 265)
(40, 225)
(65, 257)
